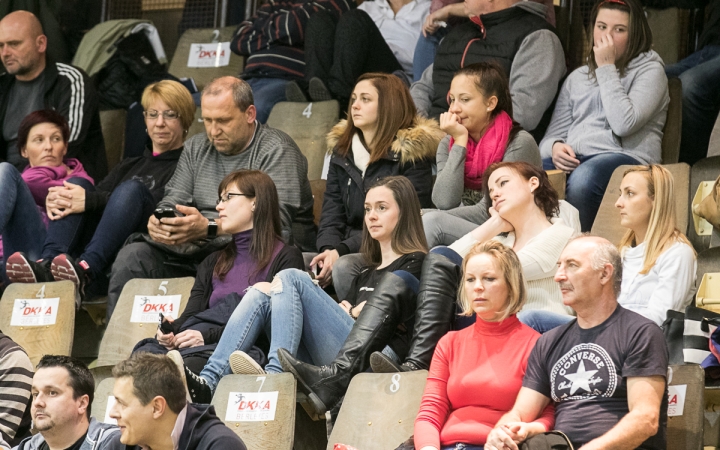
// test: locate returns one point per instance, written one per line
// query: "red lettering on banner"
(32, 311)
(48, 311)
(673, 400)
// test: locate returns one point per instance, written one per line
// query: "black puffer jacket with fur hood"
(411, 155)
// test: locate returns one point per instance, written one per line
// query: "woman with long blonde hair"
(658, 261)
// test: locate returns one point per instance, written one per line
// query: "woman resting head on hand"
(481, 131)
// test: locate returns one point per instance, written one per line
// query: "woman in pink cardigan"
(476, 373)
(43, 139)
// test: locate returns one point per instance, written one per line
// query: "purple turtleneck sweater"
(240, 276)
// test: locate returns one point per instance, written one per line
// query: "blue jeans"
(21, 223)
(127, 211)
(587, 183)
(267, 92)
(425, 51)
(67, 235)
(542, 321)
(700, 76)
(304, 320)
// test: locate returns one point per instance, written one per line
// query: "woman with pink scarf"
(480, 131)
(42, 138)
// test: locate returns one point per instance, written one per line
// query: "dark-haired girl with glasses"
(88, 225)
(249, 210)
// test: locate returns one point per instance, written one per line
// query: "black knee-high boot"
(436, 297)
(372, 331)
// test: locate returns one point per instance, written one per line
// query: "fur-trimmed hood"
(411, 144)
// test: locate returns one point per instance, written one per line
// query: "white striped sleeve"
(77, 99)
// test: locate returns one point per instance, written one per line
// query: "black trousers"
(339, 51)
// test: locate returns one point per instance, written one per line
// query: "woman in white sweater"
(522, 216)
(658, 261)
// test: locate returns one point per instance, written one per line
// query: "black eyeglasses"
(228, 196)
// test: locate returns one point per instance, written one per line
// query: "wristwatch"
(212, 228)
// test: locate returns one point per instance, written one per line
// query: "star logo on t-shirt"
(586, 371)
(580, 379)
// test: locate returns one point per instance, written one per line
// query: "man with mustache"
(605, 371)
(62, 394)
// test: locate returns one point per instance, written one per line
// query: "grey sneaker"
(318, 91)
(242, 364)
(294, 93)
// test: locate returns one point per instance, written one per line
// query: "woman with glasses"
(249, 210)
(121, 204)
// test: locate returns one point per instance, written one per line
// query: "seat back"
(557, 180)
(318, 192)
(40, 317)
(607, 221)
(104, 401)
(259, 409)
(704, 171)
(113, 129)
(203, 75)
(307, 124)
(686, 407)
(714, 147)
(136, 314)
(379, 410)
(672, 131)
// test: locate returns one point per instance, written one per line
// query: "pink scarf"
(489, 150)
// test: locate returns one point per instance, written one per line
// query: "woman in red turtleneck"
(476, 373)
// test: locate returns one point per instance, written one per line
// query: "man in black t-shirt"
(605, 371)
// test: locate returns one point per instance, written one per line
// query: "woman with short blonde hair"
(476, 373)
(659, 262)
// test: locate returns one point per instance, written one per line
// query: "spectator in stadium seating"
(611, 111)
(16, 372)
(62, 394)
(516, 35)
(250, 211)
(152, 411)
(378, 36)
(33, 81)
(88, 225)
(658, 260)
(306, 321)
(523, 216)
(609, 365)
(481, 131)
(43, 140)
(700, 77)
(234, 141)
(476, 373)
(272, 41)
(382, 136)
(444, 14)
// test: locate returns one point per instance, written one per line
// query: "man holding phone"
(186, 228)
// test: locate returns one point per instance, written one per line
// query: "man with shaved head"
(605, 371)
(233, 140)
(32, 81)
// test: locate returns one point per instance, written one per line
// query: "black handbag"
(673, 328)
(552, 440)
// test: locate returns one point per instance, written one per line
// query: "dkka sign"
(34, 312)
(146, 308)
(209, 55)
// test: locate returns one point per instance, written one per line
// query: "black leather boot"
(372, 331)
(436, 301)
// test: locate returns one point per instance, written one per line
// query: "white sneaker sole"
(242, 364)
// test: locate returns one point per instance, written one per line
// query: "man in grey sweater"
(234, 140)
